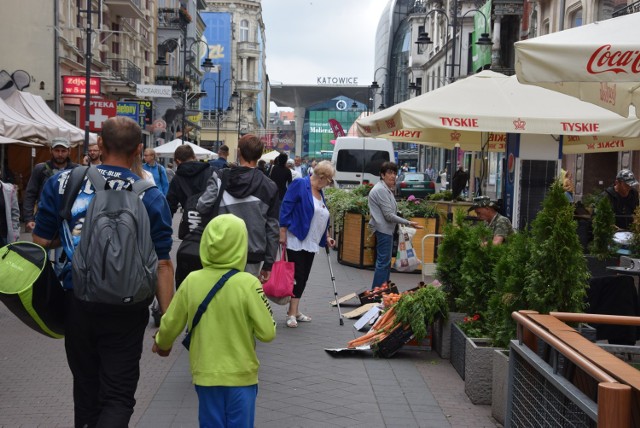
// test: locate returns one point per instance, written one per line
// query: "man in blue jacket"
(157, 170)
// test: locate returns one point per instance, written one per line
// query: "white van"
(358, 160)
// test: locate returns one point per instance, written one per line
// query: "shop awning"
(37, 109)
(21, 127)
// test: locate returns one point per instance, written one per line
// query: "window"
(545, 27)
(351, 160)
(244, 30)
(115, 48)
(605, 8)
(420, 31)
(575, 18)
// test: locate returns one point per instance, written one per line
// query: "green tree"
(510, 276)
(557, 272)
(603, 246)
(451, 254)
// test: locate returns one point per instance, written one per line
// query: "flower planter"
(499, 387)
(478, 370)
(356, 246)
(442, 334)
(458, 349)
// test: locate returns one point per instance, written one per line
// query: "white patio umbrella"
(469, 111)
(272, 155)
(598, 63)
(168, 149)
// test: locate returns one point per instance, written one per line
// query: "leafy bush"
(412, 207)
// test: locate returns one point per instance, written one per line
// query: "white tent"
(598, 63)
(36, 108)
(468, 111)
(168, 149)
(20, 127)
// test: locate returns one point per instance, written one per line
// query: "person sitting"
(623, 197)
(487, 210)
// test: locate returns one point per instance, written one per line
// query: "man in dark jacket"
(459, 181)
(41, 173)
(252, 196)
(191, 179)
(624, 198)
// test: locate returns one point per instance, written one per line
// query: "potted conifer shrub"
(602, 249)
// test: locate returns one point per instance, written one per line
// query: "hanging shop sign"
(77, 85)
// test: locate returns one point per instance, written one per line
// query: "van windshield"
(352, 160)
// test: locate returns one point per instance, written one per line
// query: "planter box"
(356, 246)
(442, 334)
(499, 387)
(478, 370)
(458, 349)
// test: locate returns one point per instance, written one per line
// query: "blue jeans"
(384, 246)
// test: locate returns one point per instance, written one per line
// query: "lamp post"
(423, 38)
(218, 108)
(238, 96)
(374, 87)
(206, 64)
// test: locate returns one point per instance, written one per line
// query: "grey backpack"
(115, 261)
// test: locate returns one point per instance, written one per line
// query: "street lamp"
(423, 38)
(238, 96)
(218, 107)
(207, 64)
(374, 87)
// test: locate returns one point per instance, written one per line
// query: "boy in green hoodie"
(222, 354)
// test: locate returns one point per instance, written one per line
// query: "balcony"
(125, 8)
(170, 18)
(125, 70)
(248, 49)
(246, 86)
(627, 10)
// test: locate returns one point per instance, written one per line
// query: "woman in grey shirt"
(384, 219)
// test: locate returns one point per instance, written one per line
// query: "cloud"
(308, 39)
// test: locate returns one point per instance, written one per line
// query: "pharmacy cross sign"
(100, 109)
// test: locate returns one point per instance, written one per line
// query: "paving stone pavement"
(300, 384)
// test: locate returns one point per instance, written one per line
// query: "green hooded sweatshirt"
(222, 349)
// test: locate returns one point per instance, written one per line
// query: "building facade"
(405, 69)
(235, 96)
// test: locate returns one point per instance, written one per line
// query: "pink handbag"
(280, 283)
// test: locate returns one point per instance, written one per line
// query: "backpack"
(115, 261)
(191, 219)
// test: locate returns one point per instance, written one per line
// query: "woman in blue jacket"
(304, 225)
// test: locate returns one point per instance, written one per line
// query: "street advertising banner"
(100, 109)
(128, 109)
(217, 82)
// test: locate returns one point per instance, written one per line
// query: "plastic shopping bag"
(406, 259)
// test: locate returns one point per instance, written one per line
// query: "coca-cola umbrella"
(475, 110)
(598, 63)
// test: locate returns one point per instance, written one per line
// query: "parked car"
(414, 183)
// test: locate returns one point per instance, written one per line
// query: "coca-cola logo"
(604, 59)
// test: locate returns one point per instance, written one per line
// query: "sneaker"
(302, 317)
(291, 322)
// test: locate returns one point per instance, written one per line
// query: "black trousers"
(303, 261)
(103, 351)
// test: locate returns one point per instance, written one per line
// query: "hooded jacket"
(253, 197)
(191, 179)
(222, 349)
